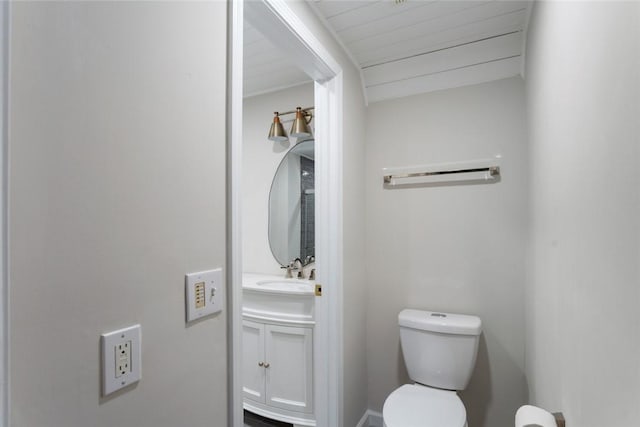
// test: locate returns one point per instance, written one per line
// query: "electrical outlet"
(204, 292)
(121, 358)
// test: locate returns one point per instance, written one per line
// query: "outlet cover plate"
(112, 378)
(213, 293)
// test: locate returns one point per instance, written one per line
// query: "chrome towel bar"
(493, 171)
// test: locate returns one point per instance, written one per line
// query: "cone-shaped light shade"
(277, 133)
(300, 126)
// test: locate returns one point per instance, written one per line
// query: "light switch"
(204, 292)
(200, 295)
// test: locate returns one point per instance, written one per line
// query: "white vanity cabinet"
(278, 365)
(277, 348)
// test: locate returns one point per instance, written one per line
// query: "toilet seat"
(415, 405)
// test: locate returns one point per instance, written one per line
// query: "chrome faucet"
(299, 266)
(288, 274)
(295, 265)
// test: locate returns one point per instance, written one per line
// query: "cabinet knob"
(261, 364)
(266, 365)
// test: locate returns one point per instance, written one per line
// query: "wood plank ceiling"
(416, 46)
(266, 67)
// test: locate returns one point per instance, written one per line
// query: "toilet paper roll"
(532, 416)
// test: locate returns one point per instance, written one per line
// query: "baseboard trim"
(364, 421)
(370, 419)
(375, 418)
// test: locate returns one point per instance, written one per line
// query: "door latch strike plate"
(318, 290)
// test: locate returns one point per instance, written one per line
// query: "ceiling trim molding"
(279, 24)
(346, 50)
(525, 34)
(447, 79)
(277, 89)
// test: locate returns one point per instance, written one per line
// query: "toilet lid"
(420, 406)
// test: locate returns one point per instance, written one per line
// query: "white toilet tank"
(439, 349)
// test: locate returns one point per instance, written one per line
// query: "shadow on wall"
(477, 396)
(403, 375)
(282, 146)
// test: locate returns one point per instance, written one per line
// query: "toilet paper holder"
(559, 419)
(532, 416)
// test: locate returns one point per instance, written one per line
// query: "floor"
(253, 420)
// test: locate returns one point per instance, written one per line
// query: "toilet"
(439, 351)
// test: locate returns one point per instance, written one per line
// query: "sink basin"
(274, 284)
(286, 286)
(267, 298)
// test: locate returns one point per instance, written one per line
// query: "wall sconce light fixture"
(299, 129)
(277, 133)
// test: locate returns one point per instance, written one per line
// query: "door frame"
(277, 21)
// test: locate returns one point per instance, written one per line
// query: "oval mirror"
(292, 207)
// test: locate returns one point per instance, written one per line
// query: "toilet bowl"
(414, 405)
(440, 351)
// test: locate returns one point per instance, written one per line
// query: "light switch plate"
(121, 358)
(204, 292)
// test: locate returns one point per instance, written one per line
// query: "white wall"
(458, 249)
(4, 114)
(583, 96)
(117, 189)
(260, 160)
(355, 387)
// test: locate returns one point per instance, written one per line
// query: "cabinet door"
(253, 375)
(289, 353)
